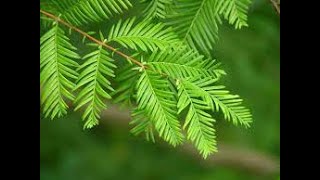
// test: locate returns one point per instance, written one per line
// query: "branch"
(91, 38)
(97, 41)
(228, 155)
(276, 5)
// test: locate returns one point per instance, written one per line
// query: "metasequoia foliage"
(157, 61)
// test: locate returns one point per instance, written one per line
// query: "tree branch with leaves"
(159, 63)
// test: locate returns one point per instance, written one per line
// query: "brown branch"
(228, 155)
(238, 158)
(276, 6)
(91, 38)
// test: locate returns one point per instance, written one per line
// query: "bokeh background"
(251, 57)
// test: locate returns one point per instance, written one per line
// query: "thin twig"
(91, 38)
(276, 5)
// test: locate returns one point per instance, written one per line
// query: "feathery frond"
(170, 72)
(199, 122)
(57, 65)
(143, 124)
(230, 105)
(196, 22)
(80, 12)
(221, 100)
(158, 101)
(156, 8)
(235, 11)
(183, 63)
(94, 84)
(143, 36)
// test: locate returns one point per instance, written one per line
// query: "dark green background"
(251, 57)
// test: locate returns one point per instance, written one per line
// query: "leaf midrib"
(194, 109)
(214, 98)
(193, 20)
(181, 65)
(161, 106)
(57, 64)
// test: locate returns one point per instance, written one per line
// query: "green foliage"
(218, 99)
(126, 80)
(142, 36)
(235, 11)
(143, 124)
(80, 12)
(167, 72)
(199, 122)
(182, 63)
(196, 22)
(156, 8)
(94, 84)
(156, 99)
(57, 65)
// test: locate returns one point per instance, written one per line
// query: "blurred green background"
(251, 57)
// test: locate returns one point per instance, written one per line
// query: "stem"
(276, 6)
(91, 38)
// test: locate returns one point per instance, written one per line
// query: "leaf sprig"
(171, 81)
